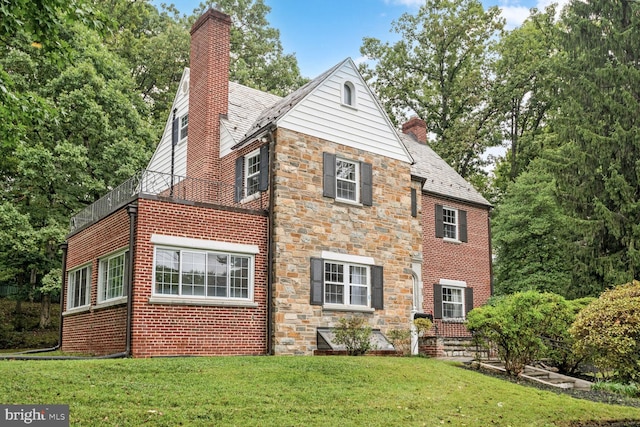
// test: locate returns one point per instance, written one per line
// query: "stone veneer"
(306, 223)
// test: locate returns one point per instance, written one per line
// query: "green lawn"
(288, 391)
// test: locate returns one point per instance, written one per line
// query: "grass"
(288, 391)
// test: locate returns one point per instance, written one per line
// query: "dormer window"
(349, 94)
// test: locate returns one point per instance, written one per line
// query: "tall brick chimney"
(208, 93)
(417, 127)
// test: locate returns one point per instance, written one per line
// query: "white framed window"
(346, 284)
(203, 274)
(450, 223)
(347, 180)
(184, 126)
(452, 302)
(111, 277)
(348, 94)
(79, 287)
(252, 173)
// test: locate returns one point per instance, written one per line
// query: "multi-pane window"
(184, 126)
(252, 173)
(452, 303)
(79, 287)
(112, 280)
(449, 223)
(346, 284)
(347, 180)
(202, 274)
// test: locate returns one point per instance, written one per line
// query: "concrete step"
(542, 376)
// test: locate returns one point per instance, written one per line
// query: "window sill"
(251, 198)
(110, 303)
(353, 107)
(460, 321)
(450, 240)
(201, 301)
(349, 202)
(353, 308)
(76, 310)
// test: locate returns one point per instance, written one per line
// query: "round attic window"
(185, 86)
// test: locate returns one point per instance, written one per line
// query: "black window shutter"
(439, 222)
(329, 175)
(377, 287)
(414, 203)
(317, 282)
(239, 179)
(366, 184)
(462, 225)
(175, 131)
(437, 301)
(264, 168)
(468, 300)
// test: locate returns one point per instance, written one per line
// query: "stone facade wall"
(94, 330)
(171, 329)
(306, 223)
(465, 261)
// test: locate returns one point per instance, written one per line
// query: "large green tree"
(525, 91)
(597, 166)
(440, 70)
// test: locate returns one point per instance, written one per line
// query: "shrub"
(608, 332)
(354, 334)
(517, 324)
(401, 340)
(423, 325)
(630, 390)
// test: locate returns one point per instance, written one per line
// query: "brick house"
(260, 221)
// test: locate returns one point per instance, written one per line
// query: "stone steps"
(542, 376)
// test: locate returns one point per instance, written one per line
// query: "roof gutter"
(263, 131)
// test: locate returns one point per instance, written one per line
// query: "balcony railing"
(165, 185)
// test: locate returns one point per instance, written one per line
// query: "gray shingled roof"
(245, 106)
(271, 115)
(440, 178)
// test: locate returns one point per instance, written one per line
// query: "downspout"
(270, 243)
(65, 247)
(490, 253)
(132, 210)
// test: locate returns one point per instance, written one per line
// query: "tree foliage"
(608, 332)
(531, 240)
(596, 165)
(440, 70)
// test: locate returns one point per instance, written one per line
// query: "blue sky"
(322, 33)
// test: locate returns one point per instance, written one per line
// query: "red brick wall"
(208, 92)
(164, 329)
(101, 331)
(467, 261)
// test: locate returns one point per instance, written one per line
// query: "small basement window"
(326, 340)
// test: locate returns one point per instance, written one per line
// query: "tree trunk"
(45, 311)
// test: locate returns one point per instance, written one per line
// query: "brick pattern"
(163, 329)
(99, 331)
(306, 223)
(468, 261)
(208, 93)
(416, 127)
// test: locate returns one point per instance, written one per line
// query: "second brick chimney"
(208, 93)
(417, 127)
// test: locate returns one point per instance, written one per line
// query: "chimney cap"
(210, 14)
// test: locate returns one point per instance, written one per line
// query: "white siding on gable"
(226, 140)
(161, 160)
(364, 126)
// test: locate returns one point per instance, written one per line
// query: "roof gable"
(316, 109)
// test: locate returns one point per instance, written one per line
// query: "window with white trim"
(184, 126)
(347, 180)
(252, 173)
(450, 222)
(452, 302)
(346, 284)
(79, 287)
(111, 278)
(205, 274)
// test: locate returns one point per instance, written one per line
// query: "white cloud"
(408, 3)
(514, 15)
